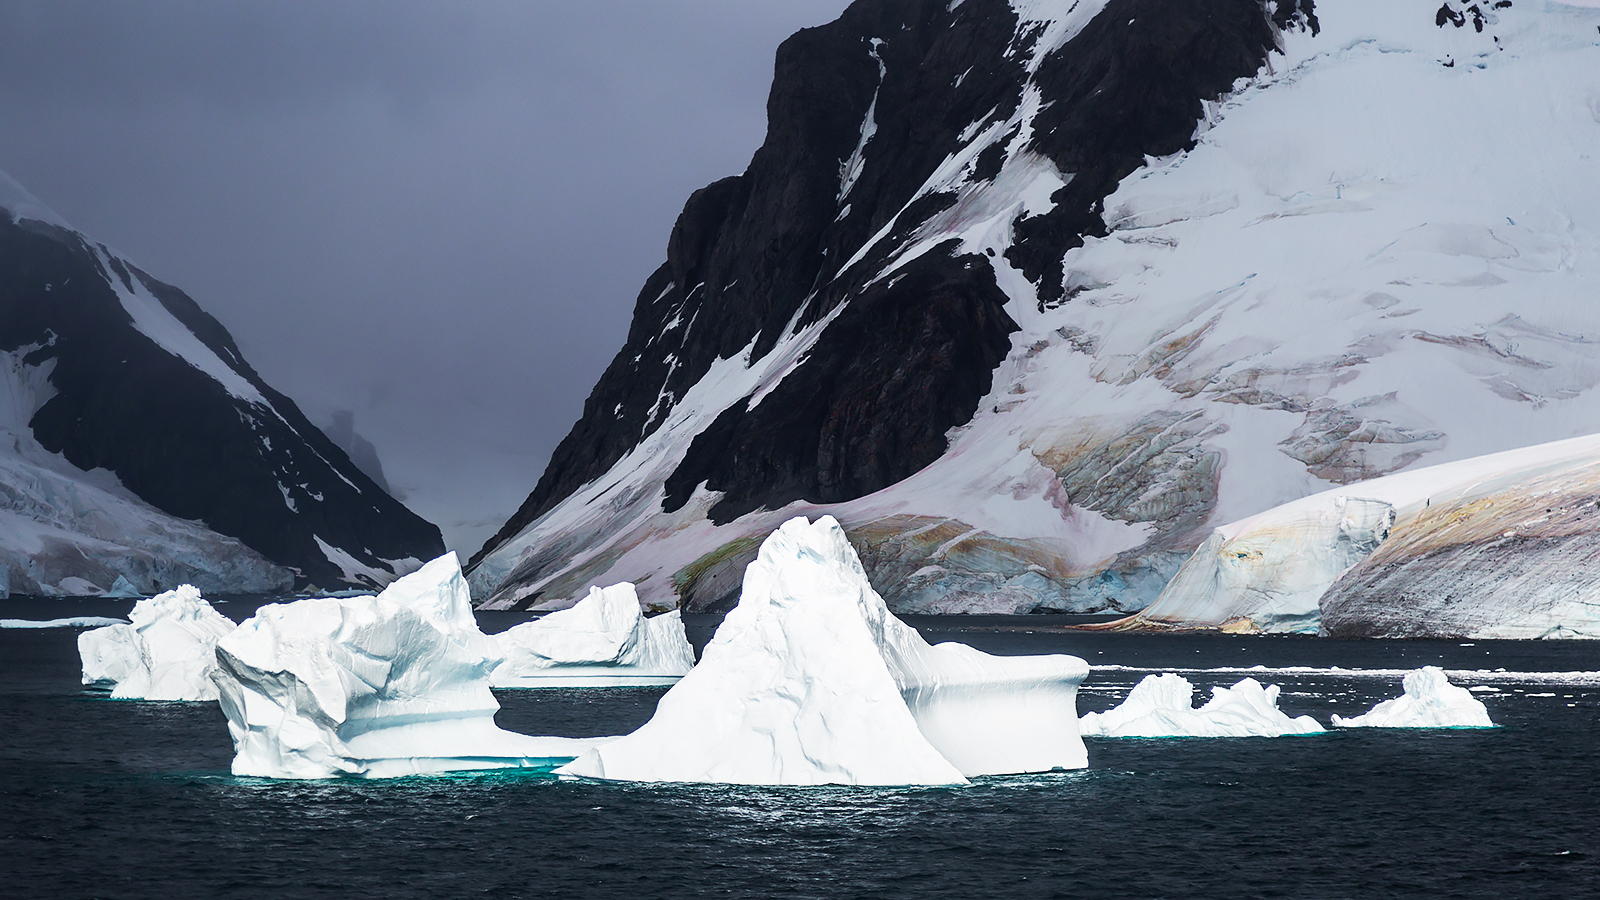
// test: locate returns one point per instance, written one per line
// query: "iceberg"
(602, 641)
(1429, 701)
(396, 684)
(1159, 706)
(69, 622)
(165, 654)
(811, 680)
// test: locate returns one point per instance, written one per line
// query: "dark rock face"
(175, 435)
(862, 113)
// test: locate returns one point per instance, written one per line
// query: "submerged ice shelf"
(166, 653)
(602, 641)
(396, 684)
(811, 680)
(1160, 706)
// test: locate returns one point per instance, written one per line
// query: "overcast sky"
(434, 214)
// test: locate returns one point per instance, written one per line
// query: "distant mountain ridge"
(1030, 294)
(128, 375)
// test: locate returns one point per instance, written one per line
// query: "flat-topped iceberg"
(1160, 706)
(602, 641)
(396, 684)
(165, 654)
(811, 680)
(1429, 701)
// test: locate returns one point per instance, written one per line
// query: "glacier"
(1160, 706)
(166, 653)
(1429, 701)
(1304, 297)
(371, 686)
(604, 640)
(811, 680)
(1495, 546)
(66, 531)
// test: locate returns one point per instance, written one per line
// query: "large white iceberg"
(1160, 706)
(165, 654)
(604, 640)
(811, 680)
(1429, 701)
(396, 684)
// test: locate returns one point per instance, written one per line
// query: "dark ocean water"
(102, 798)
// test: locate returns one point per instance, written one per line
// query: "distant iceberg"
(69, 622)
(165, 654)
(1429, 701)
(602, 641)
(396, 684)
(811, 680)
(1160, 706)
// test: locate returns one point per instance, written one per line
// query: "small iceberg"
(811, 680)
(374, 687)
(1429, 701)
(1161, 706)
(70, 622)
(603, 641)
(167, 653)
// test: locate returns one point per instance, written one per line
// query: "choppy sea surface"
(118, 799)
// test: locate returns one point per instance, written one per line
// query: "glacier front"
(167, 653)
(1495, 546)
(1429, 701)
(811, 680)
(1159, 706)
(396, 684)
(605, 640)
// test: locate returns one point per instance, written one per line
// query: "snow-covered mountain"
(1031, 294)
(136, 442)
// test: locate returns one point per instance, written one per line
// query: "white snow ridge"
(811, 680)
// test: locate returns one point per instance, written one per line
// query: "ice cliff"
(604, 640)
(167, 653)
(396, 684)
(1497, 546)
(1161, 706)
(1429, 701)
(811, 680)
(1032, 296)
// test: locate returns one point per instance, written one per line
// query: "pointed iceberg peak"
(811, 680)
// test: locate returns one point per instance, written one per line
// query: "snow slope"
(1380, 252)
(64, 531)
(137, 443)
